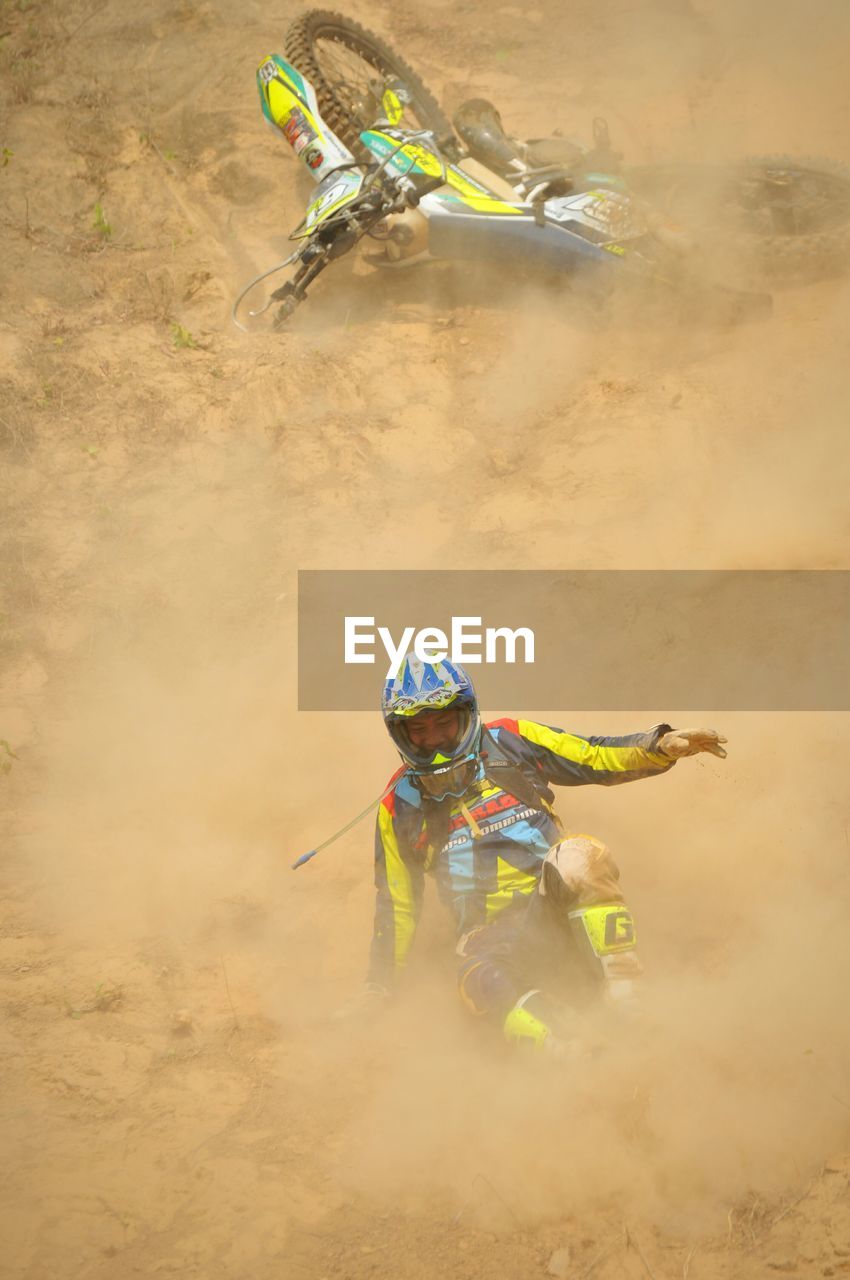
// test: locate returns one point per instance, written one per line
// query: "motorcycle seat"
(499, 186)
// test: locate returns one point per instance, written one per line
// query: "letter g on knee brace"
(606, 936)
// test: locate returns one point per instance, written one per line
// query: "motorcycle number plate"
(335, 192)
(601, 207)
(600, 211)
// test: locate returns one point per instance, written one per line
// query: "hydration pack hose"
(305, 857)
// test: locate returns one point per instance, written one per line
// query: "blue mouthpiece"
(305, 857)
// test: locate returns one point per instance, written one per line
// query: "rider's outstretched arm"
(569, 759)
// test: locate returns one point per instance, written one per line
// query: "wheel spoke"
(350, 68)
(342, 78)
(351, 75)
(813, 203)
(783, 218)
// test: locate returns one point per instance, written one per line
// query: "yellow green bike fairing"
(413, 158)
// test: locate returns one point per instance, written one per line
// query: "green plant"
(6, 154)
(181, 337)
(107, 995)
(100, 223)
(7, 755)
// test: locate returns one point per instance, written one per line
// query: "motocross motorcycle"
(390, 166)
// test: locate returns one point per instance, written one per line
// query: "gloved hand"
(690, 742)
(365, 1004)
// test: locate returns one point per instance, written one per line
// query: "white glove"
(690, 742)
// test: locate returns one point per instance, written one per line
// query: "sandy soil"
(177, 1098)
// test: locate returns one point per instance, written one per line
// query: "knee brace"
(484, 988)
(605, 934)
(484, 982)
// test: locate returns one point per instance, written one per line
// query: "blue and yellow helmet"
(432, 686)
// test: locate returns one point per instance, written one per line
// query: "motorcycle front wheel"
(351, 70)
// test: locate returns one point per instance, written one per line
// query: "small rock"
(502, 464)
(559, 1263)
(181, 1022)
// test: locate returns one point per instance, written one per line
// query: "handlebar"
(334, 236)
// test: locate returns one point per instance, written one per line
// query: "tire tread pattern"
(780, 257)
(299, 46)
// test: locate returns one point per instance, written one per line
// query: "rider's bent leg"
(582, 883)
(492, 985)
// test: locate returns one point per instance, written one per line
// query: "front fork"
(319, 252)
(314, 259)
(313, 262)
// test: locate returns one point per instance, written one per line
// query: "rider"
(472, 807)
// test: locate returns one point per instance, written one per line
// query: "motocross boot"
(524, 1028)
(531, 1026)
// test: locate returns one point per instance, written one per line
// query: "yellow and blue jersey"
(495, 842)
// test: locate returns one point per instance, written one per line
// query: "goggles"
(448, 780)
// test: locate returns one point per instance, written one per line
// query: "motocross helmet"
(432, 686)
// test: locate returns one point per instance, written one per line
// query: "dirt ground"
(177, 1098)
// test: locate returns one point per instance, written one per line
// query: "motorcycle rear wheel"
(336, 55)
(788, 218)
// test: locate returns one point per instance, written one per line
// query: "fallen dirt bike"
(390, 166)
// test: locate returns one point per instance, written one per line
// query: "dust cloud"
(184, 1098)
